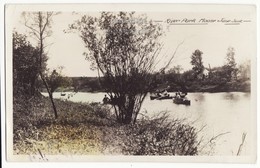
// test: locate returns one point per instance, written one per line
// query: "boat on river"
(161, 97)
(63, 94)
(181, 101)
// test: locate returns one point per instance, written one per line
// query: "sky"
(212, 38)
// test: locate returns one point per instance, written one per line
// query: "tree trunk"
(128, 117)
(32, 89)
(50, 96)
(130, 110)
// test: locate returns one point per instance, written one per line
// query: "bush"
(157, 136)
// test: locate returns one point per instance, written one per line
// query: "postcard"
(131, 82)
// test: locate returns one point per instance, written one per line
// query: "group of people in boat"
(180, 98)
(180, 95)
(162, 94)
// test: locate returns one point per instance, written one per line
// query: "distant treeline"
(214, 81)
(226, 78)
(87, 84)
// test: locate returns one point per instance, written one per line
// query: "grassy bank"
(91, 129)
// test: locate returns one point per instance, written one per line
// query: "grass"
(89, 129)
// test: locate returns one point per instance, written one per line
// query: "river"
(227, 114)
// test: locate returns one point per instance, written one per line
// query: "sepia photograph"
(152, 82)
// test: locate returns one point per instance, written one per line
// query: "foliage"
(89, 84)
(230, 66)
(123, 47)
(56, 80)
(217, 79)
(159, 136)
(196, 61)
(175, 70)
(244, 71)
(230, 59)
(25, 67)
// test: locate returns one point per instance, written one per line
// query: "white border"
(130, 164)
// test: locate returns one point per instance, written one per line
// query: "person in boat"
(165, 93)
(184, 93)
(157, 93)
(178, 94)
(105, 99)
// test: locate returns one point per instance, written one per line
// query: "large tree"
(39, 25)
(25, 67)
(123, 47)
(230, 66)
(196, 61)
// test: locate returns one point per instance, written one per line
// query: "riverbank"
(92, 84)
(85, 129)
(211, 87)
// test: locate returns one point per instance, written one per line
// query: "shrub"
(157, 136)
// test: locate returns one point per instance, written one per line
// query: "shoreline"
(193, 88)
(87, 128)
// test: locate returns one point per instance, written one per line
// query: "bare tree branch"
(175, 51)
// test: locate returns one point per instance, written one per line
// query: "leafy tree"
(218, 76)
(244, 70)
(230, 65)
(174, 74)
(187, 76)
(39, 24)
(25, 67)
(175, 70)
(196, 61)
(56, 80)
(230, 59)
(124, 48)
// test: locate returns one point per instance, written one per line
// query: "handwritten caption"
(204, 21)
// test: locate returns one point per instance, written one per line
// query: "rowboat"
(181, 101)
(157, 97)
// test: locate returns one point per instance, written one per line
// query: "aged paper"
(202, 58)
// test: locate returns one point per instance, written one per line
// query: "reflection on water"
(227, 113)
(231, 96)
(247, 94)
(200, 97)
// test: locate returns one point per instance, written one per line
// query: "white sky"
(212, 39)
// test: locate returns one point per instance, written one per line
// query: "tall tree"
(230, 65)
(124, 48)
(196, 61)
(25, 67)
(39, 24)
